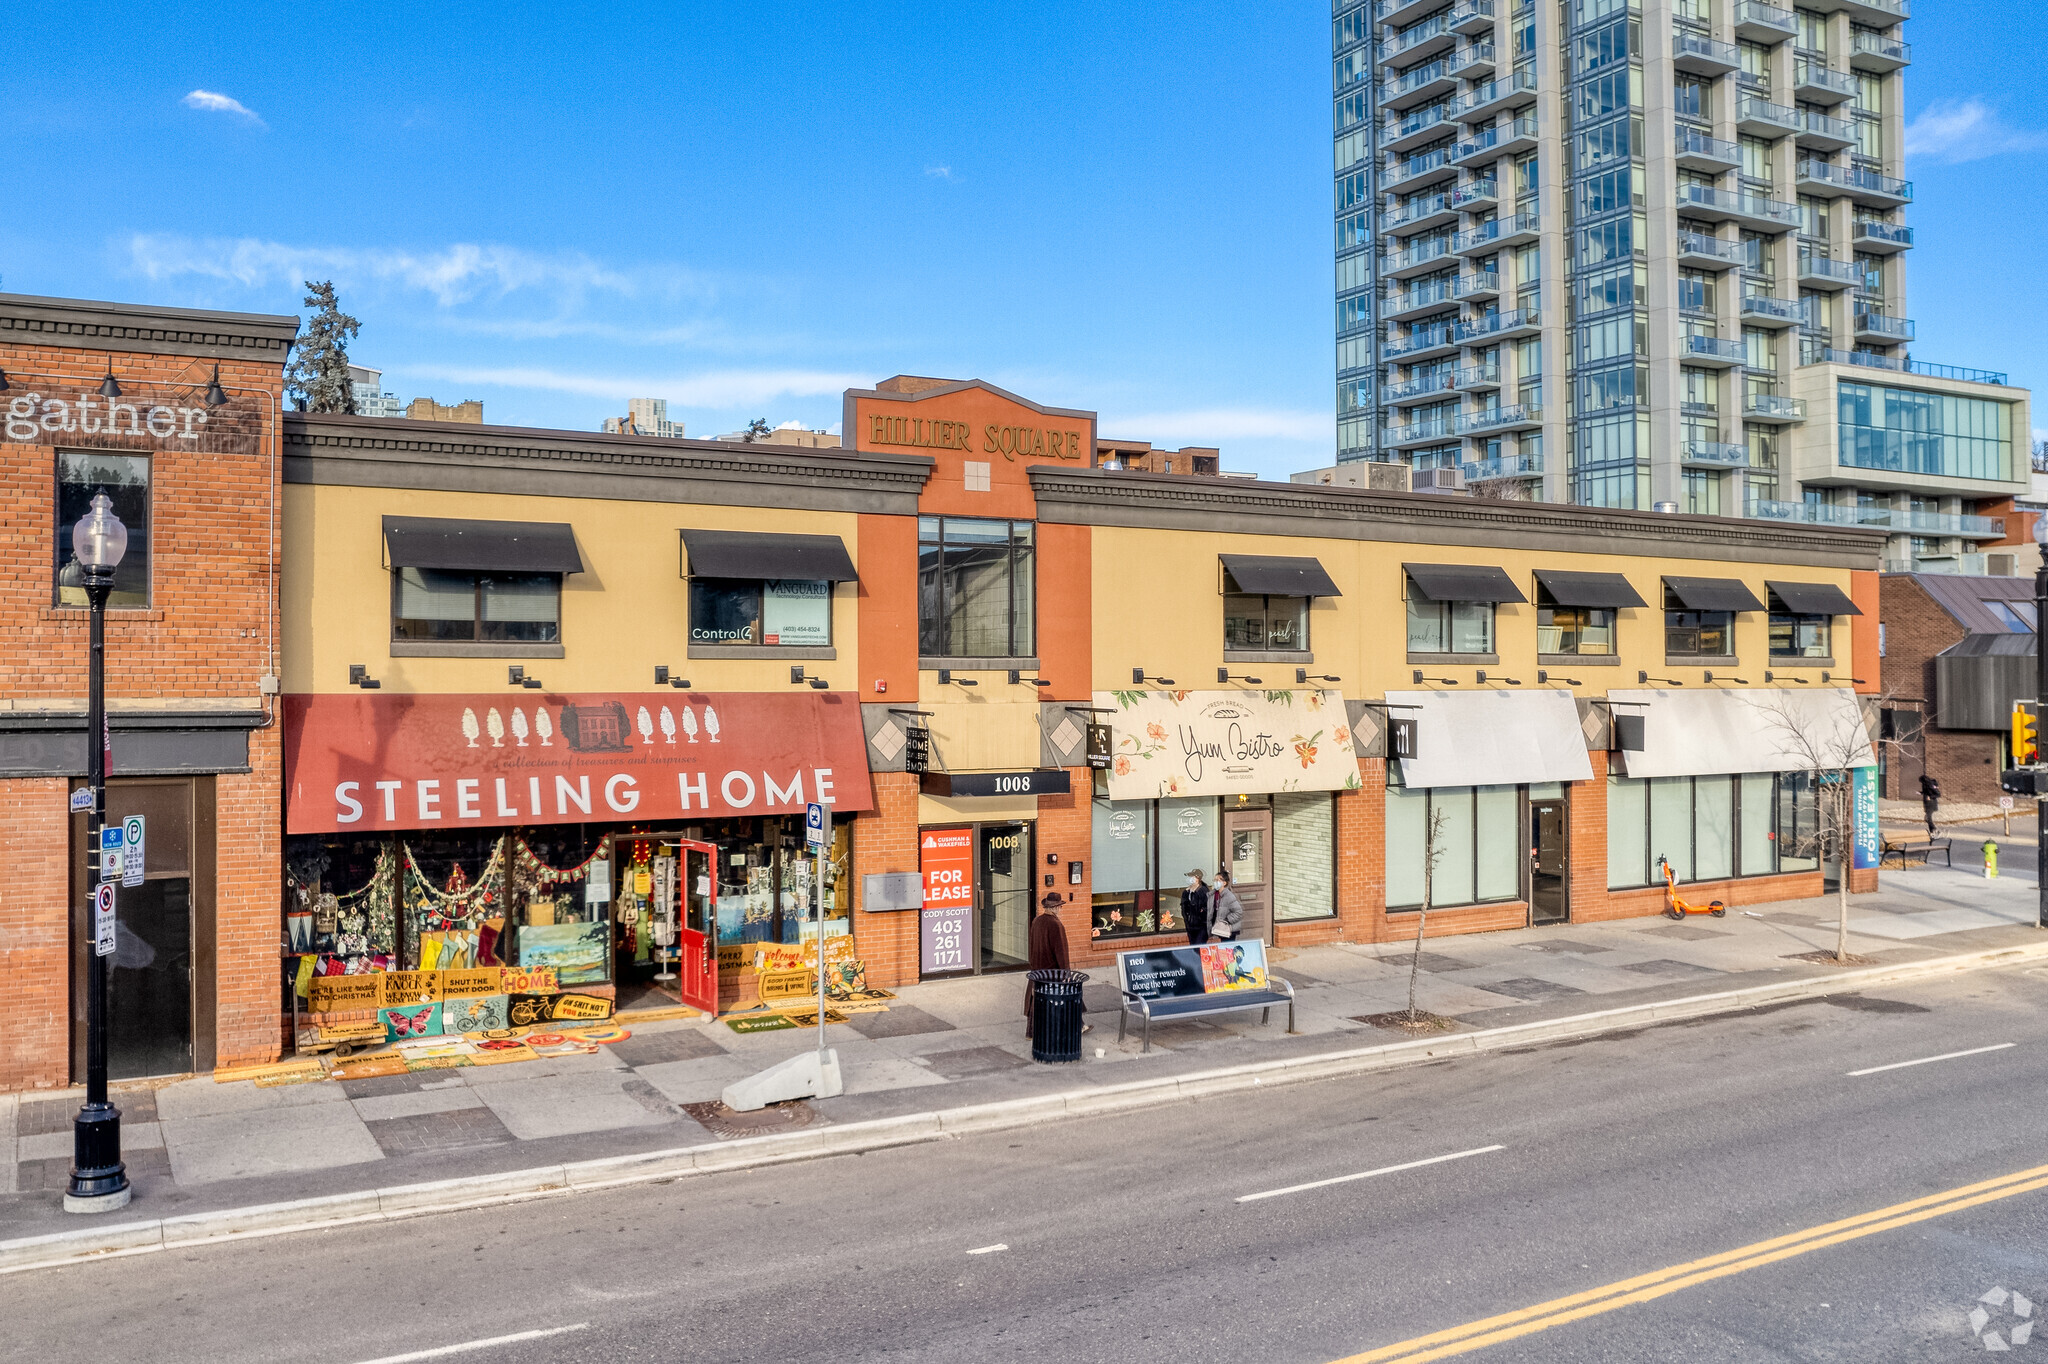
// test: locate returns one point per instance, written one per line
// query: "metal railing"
(1750, 109)
(1837, 128)
(1492, 137)
(1445, 291)
(1852, 178)
(1718, 453)
(1494, 91)
(1478, 329)
(1820, 267)
(1774, 405)
(1756, 12)
(1415, 79)
(1734, 201)
(1416, 123)
(1395, 219)
(1408, 167)
(1430, 338)
(1439, 429)
(1890, 233)
(1494, 231)
(1419, 388)
(1877, 324)
(1504, 466)
(1781, 309)
(1496, 418)
(1419, 254)
(1691, 141)
(1477, 192)
(1713, 347)
(1693, 45)
(1820, 76)
(1697, 244)
(1878, 45)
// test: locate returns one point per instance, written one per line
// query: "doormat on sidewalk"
(752, 1023)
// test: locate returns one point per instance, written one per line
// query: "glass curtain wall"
(1710, 828)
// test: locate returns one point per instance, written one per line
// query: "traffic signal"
(2026, 748)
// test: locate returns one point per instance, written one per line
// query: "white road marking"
(1368, 1174)
(440, 1350)
(1926, 1060)
(988, 1250)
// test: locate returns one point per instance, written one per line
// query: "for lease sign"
(946, 856)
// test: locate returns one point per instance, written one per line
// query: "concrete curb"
(549, 1181)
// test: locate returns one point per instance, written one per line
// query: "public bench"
(1920, 849)
(1193, 982)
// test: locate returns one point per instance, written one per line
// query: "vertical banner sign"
(103, 920)
(131, 852)
(1867, 842)
(946, 856)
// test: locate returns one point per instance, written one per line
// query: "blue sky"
(747, 208)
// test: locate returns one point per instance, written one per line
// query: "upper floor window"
(1797, 634)
(1266, 599)
(125, 481)
(1564, 629)
(1451, 606)
(976, 588)
(458, 581)
(431, 605)
(1692, 631)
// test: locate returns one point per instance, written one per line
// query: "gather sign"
(179, 420)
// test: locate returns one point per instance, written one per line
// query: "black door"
(1004, 914)
(1548, 902)
(149, 989)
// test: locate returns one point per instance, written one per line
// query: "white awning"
(1763, 729)
(1492, 738)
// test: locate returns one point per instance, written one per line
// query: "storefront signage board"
(1224, 743)
(1035, 781)
(144, 417)
(359, 763)
(946, 857)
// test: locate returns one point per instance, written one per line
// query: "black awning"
(1713, 594)
(458, 546)
(1463, 582)
(1814, 599)
(1276, 575)
(756, 554)
(1588, 589)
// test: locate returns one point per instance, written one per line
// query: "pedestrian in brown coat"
(1047, 950)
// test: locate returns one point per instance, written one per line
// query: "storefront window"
(1572, 629)
(1797, 636)
(125, 481)
(1254, 621)
(1143, 851)
(1696, 632)
(975, 588)
(1710, 828)
(1479, 845)
(775, 612)
(428, 604)
(1304, 855)
(1449, 627)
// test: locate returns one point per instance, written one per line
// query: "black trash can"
(1056, 1015)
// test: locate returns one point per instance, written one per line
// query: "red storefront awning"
(358, 763)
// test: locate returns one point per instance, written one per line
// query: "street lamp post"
(2040, 709)
(99, 1181)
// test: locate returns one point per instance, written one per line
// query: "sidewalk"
(194, 1146)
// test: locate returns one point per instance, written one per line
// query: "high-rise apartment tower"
(1638, 252)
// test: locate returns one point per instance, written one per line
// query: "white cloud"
(222, 104)
(1966, 130)
(458, 273)
(939, 172)
(1214, 425)
(719, 390)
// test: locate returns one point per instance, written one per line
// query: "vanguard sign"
(359, 763)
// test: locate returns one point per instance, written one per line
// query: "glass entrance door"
(1003, 916)
(1548, 899)
(1248, 844)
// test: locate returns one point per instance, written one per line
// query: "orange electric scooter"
(1678, 908)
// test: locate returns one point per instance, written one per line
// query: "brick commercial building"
(1959, 650)
(109, 397)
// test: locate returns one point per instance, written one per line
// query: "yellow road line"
(1645, 1287)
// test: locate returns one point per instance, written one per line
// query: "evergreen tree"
(757, 429)
(318, 373)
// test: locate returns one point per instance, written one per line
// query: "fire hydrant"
(1990, 859)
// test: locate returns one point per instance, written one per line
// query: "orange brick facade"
(202, 647)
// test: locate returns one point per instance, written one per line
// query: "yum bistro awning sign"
(360, 763)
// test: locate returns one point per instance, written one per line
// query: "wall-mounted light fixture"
(1442, 681)
(515, 676)
(1140, 678)
(1643, 679)
(1710, 679)
(1018, 679)
(1829, 677)
(1773, 677)
(946, 679)
(798, 679)
(1543, 677)
(1224, 675)
(216, 396)
(359, 676)
(1302, 679)
(108, 388)
(662, 679)
(1511, 681)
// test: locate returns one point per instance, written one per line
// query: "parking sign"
(131, 853)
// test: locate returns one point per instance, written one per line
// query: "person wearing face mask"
(1226, 911)
(1194, 908)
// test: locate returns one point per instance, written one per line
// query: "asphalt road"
(1124, 1238)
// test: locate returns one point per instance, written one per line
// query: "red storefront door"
(697, 930)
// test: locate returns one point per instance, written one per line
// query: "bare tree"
(1432, 853)
(1500, 490)
(1825, 740)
